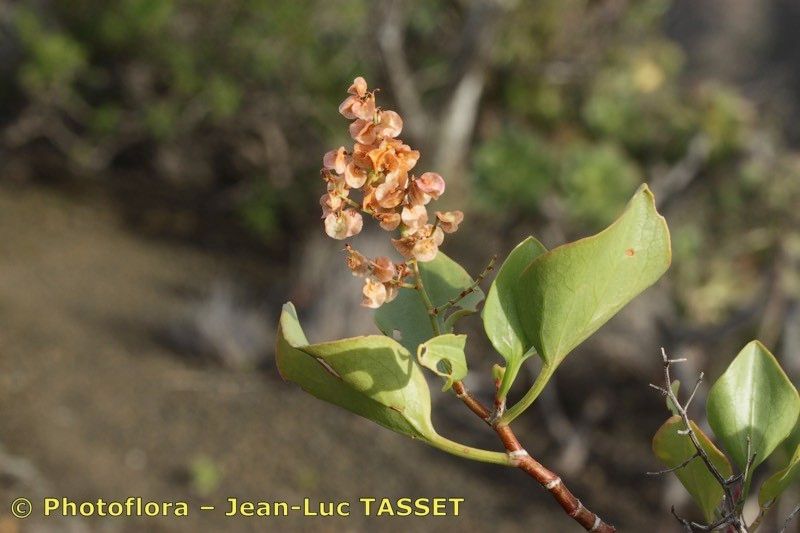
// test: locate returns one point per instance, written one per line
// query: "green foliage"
(444, 356)
(373, 376)
(566, 294)
(753, 398)
(501, 319)
(444, 279)
(780, 480)
(674, 449)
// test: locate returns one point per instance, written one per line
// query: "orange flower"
(390, 193)
(358, 88)
(354, 175)
(363, 131)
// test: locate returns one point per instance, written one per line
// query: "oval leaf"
(673, 449)
(444, 279)
(500, 318)
(566, 294)
(444, 356)
(753, 397)
(373, 376)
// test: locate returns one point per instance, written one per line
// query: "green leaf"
(500, 317)
(753, 397)
(444, 279)
(778, 482)
(566, 294)
(444, 355)
(373, 376)
(673, 449)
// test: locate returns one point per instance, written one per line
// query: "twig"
(522, 460)
(466, 292)
(674, 468)
(730, 516)
(789, 519)
(547, 479)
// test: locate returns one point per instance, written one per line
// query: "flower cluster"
(379, 166)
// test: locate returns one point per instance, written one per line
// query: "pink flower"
(363, 131)
(358, 87)
(335, 160)
(449, 220)
(426, 187)
(374, 294)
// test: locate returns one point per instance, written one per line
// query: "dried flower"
(449, 220)
(374, 293)
(383, 269)
(356, 262)
(379, 166)
(346, 223)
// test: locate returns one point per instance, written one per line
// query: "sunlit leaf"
(444, 355)
(373, 376)
(674, 449)
(753, 397)
(500, 317)
(566, 294)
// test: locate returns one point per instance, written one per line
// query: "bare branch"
(789, 519)
(674, 468)
(731, 515)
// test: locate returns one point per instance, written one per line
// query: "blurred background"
(159, 202)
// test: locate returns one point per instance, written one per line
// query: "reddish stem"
(549, 480)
